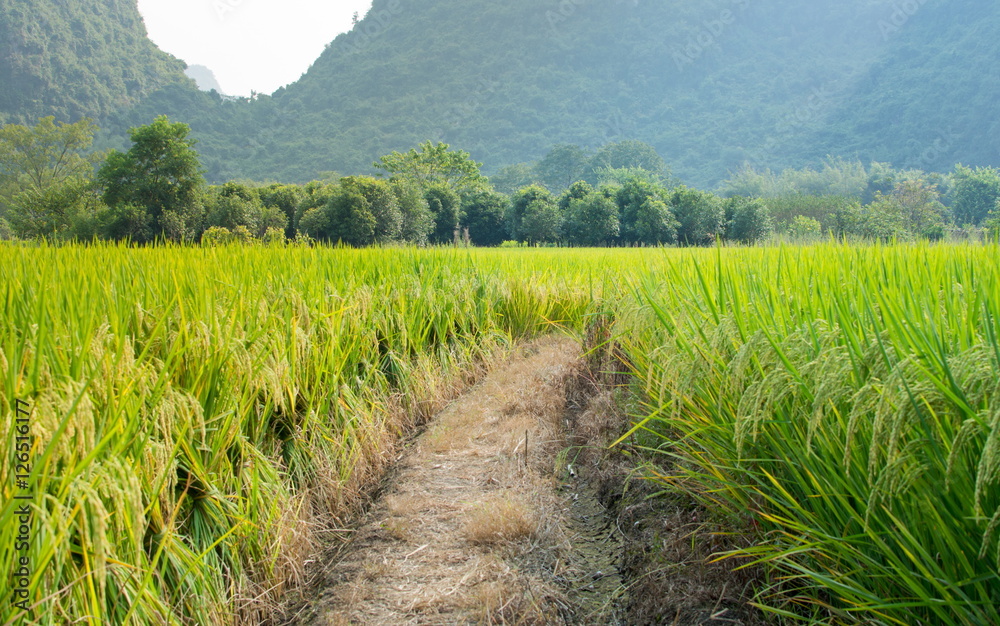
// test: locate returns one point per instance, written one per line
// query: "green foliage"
(532, 195)
(626, 158)
(274, 237)
(805, 229)
(381, 202)
(446, 207)
(827, 211)
(159, 173)
(837, 177)
(217, 236)
(921, 207)
(360, 211)
(285, 198)
(591, 220)
(654, 224)
(748, 220)
(975, 193)
(645, 217)
(561, 167)
(485, 215)
(435, 164)
(700, 216)
(232, 205)
(510, 178)
(45, 177)
(418, 221)
(542, 222)
(127, 222)
(85, 59)
(350, 220)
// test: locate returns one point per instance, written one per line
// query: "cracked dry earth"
(472, 527)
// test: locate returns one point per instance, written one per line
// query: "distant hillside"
(711, 84)
(204, 77)
(85, 58)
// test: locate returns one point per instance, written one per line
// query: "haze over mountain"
(710, 84)
(204, 77)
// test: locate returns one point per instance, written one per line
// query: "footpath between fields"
(508, 509)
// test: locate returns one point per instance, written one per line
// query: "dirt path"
(476, 525)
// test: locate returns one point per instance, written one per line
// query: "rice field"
(200, 419)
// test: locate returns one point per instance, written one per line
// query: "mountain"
(711, 84)
(85, 58)
(204, 77)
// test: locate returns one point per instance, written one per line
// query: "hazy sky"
(255, 45)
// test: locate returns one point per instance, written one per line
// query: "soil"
(509, 509)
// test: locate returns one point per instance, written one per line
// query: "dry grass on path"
(469, 530)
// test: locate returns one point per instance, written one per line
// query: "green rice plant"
(841, 405)
(200, 416)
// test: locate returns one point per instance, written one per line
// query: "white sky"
(255, 45)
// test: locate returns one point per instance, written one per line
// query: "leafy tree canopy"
(45, 175)
(160, 173)
(435, 163)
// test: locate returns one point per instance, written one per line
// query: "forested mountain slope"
(711, 84)
(79, 58)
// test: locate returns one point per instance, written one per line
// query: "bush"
(747, 220)
(216, 236)
(274, 236)
(805, 228)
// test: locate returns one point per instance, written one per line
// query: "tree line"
(53, 186)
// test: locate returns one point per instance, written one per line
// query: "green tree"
(510, 178)
(921, 207)
(699, 214)
(234, 204)
(542, 222)
(381, 202)
(883, 220)
(285, 198)
(747, 220)
(629, 154)
(349, 220)
(578, 190)
(591, 220)
(445, 205)
(315, 195)
(484, 214)
(805, 229)
(418, 221)
(519, 203)
(975, 193)
(160, 173)
(435, 164)
(654, 223)
(45, 176)
(359, 211)
(634, 196)
(562, 166)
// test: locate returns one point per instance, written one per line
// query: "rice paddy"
(201, 418)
